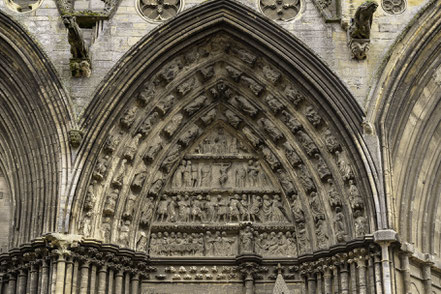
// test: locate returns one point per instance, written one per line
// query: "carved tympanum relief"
(220, 154)
(159, 10)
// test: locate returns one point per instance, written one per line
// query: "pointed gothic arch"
(256, 60)
(406, 112)
(34, 118)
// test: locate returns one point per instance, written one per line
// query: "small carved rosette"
(394, 6)
(280, 9)
(159, 10)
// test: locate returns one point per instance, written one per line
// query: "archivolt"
(34, 116)
(281, 100)
(407, 113)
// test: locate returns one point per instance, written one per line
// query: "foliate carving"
(360, 30)
(394, 6)
(159, 10)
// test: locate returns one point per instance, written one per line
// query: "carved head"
(75, 138)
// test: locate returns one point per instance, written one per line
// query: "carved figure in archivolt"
(147, 212)
(101, 168)
(145, 128)
(128, 117)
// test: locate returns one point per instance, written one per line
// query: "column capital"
(385, 236)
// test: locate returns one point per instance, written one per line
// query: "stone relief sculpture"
(219, 175)
(359, 30)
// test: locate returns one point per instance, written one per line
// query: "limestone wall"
(126, 27)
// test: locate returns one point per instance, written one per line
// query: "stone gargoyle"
(80, 61)
(359, 30)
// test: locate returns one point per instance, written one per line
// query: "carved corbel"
(75, 138)
(80, 64)
(359, 30)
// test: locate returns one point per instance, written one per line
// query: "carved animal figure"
(75, 37)
(361, 23)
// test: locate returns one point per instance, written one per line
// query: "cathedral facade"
(257, 147)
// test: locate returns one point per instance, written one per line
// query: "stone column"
(61, 270)
(335, 279)
(68, 280)
(135, 283)
(33, 285)
(406, 251)
(111, 280)
(21, 281)
(84, 276)
(353, 275)
(327, 280)
(92, 283)
(311, 283)
(344, 278)
(427, 273)
(119, 281)
(318, 277)
(384, 238)
(127, 283)
(378, 283)
(44, 276)
(12, 283)
(361, 268)
(102, 277)
(76, 268)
